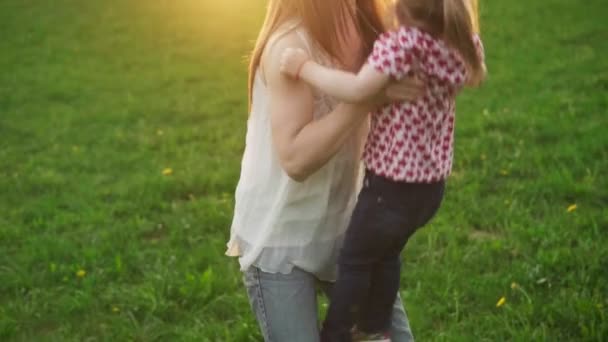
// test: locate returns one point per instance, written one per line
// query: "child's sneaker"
(359, 336)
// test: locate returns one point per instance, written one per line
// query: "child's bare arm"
(344, 86)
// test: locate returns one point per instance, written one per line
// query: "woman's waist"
(318, 257)
(286, 235)
(286, 205)
(283, 231)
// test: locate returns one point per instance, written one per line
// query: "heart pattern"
(414, 141)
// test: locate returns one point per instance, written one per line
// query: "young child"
(408, 154)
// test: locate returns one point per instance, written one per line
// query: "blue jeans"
(386, 215)
(285, 306)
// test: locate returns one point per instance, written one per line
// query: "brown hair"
(327, 24)
(455, 21)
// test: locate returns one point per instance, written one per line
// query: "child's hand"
(292, 61)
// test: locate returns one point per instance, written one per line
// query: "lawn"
(122, 125)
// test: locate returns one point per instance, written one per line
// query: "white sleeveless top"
(278, 223)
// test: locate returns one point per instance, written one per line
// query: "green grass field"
(122, 125)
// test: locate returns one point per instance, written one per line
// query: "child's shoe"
(359, 336)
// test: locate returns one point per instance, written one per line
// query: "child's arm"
(344, 86)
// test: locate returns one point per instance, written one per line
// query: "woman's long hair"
(327, 23)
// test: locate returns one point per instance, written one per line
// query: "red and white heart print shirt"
(414, 141)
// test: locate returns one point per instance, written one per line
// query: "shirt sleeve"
(392, 54)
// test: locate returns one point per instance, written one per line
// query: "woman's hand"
(292, 61)
(408, 89)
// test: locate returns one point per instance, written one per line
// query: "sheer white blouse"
(278, 223)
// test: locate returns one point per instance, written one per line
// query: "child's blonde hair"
(327, 23)
(455, 21)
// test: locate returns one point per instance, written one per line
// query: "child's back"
(413, 141)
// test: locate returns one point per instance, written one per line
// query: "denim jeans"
(386, 215)
(285, 306)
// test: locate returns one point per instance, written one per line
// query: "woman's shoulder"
(289, 34)
(279, 43)
(273, 50)
(280, 40)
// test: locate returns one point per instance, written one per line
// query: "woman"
(300, 169)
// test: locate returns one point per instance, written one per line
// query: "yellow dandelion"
(160, 132)
(572, 208)
(501, 302)
(514, 285)
(504, 172)
(483, 157)
(115, 309)
(168, 171)
(81, 273)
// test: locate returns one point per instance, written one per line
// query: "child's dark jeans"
(386, 215)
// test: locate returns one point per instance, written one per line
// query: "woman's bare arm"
(342, 85)
(304, 144)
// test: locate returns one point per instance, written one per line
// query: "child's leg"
(376, 311)
(354, 274)
(372, 232)
(400, 330)
(416, 205)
